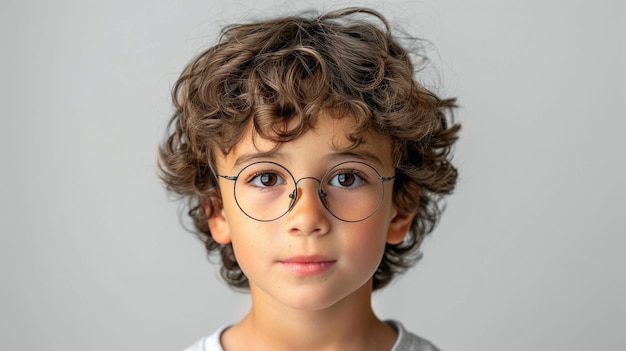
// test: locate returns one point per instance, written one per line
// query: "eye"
(346, 180)
(266, 179)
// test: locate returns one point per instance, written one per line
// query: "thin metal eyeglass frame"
(320, 191)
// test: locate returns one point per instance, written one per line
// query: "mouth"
(307, 265)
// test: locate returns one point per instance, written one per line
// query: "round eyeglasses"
(351, 191)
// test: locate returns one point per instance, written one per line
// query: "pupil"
(268, 179)
(346, 179)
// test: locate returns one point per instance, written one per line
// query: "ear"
(399, 227)
(218, 225)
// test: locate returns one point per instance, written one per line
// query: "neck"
(349, 324)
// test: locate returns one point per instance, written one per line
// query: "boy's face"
(307, 259)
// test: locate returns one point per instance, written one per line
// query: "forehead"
(327, 140)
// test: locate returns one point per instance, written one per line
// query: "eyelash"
(363, 179)
(257, 175)
(255, 179)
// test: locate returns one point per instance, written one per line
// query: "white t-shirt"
(406, 341)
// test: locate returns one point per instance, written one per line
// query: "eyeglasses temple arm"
(233, 178)
(386, 179)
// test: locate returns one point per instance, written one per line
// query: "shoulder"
(208, 343)
(408, 341)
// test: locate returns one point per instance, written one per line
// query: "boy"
(313, 162)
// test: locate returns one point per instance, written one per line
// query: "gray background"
(528, 256)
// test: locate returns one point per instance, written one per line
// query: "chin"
(318, 298)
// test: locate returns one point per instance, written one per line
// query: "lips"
(307, 265)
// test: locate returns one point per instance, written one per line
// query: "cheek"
(252, 242)
(367, 246)
(246, 251)
(243, 235)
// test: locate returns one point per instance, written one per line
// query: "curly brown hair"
(286, 71)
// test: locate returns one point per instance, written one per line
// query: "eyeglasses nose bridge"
(295, 195)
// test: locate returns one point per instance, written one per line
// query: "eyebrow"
(247, 158)
(360, 155)
(363, 155)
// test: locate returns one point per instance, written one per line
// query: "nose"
(307, 215)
